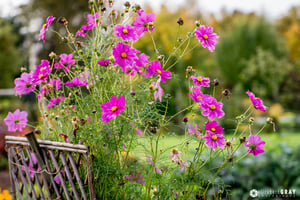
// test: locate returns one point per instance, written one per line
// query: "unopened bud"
(151, 87)
(226, 93)
(52, 55)
(23, 69)
(185, 119)
(127, 4)
(63, 21)
(198, 23)
(216, 82)
(180, 21)
(242, 139)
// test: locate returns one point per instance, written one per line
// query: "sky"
(272, 9)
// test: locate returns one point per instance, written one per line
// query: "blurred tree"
(10, 55)
(241, 36)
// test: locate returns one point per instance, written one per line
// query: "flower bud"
(103, 9)
(52, 55)
(251, 120)
(226, 93)
(151, 87)
(242, 139)
(63, 21)
(79, 44)
(198, 23)
(132, 92)
(160, 57)
(180, 21)
(269, 120)
(216, 82)
(65, 39)
(94, 111)
(185, 119)
(127, 4)
(168, 95)
(23, 69)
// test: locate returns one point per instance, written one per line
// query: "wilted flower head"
(49, 21)
(206, 37)
(257, 102)
(16, 121)
(112, 108)
(255, 145)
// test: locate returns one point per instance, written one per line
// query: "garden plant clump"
(108, 95)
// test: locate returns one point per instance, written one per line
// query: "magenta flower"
(16, 121)
(41, 72)
(92, 21)
(76, 82)
(24, 84)
(130, 70)
(124, 55)
(54, 84)
(255, 145)
(112, 108)
(193, 129)
(213, 140)
(212, 108)
(158, 90)
(43, 92)
(135, 178)
(144, 22)
(197, 95)
(65, 62)
(214, 127)
(65, 137)
(126, 32)
(49, 21)
(257, 102)
(156, 69)
(175, 155)
(143, 62)
(54, 101)
(175, 193)
(30, 165)
(206, 37)
(104, 62)
(200, 81)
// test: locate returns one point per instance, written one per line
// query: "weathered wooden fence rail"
(41, 169)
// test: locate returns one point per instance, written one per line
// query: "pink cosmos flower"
(193, 129)
(156, 169)
(156, 69)
(30, 165)
(213, 140)
(49, 21)
(16, 121)
(130, 70)
(175, 193)
(135, 178)
(124, 55)
(158, 90)
(197, 95)
(214, 127)
(126, 32)
(144, 22)
(54, 101)
(255, 145)
(76, 82)
(104, 62)
(112, 108)
(206, 37)
(41, 72)
(200, 81)
(57, 179)
(43, 92)
(65, 62)
(257, 102)
(54, 84)
(175, 155)
(92, 21)
(24, 84)
(212, 108)
(65, 137)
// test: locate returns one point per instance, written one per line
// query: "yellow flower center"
(199, 79)
(114, 108)
(111, 58)
(205, 37)
(214, 138)
(146, 64)
(125, 31)
(213, 129)
(123, 55)
(158, 71)
(199, 97)
(212, 107)
(45, 25)
(42, 68)
(174, 151)
(41, 75)
(150, 23)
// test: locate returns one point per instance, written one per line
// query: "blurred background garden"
(257, 50)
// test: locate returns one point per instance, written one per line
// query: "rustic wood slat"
(28, 174)
(12, 182)
(90, 177)
(21, 173)
(59, 175)
(69, 175)
(40, 186)
(77, 175)
(19, 190)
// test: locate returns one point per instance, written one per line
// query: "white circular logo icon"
(253, 193)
